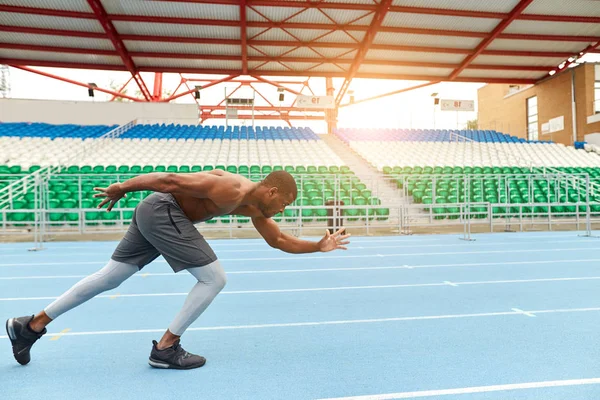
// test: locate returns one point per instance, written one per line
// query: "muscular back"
(218, 193)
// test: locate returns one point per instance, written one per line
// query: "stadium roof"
(435, 40)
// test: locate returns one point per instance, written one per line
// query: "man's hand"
(113, 193)
(333, 242)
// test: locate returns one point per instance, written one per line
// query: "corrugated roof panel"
(49, 22)
(400, 70)
(58, 41)
(69, 5)
(330, 68)
(300, 66)
(571, 7)
(160, 29)
(253, 64)
(272, 51)
(310, 15)
(60, 57)
(183, 63)
(339, 16)
(272, 13)
(488, 6)
(409, 39)
(342, 37)
(183, 48)
(537, 45)
(173, 9)
(553, 28)
(336, 53)
(307, 35)
(414, 56)
(440, 22)
(481, 73)
(370, 2)
(270, 34)
(303, 52)
(273, 66)
(513, 60)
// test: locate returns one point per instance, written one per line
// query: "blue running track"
(509, 316)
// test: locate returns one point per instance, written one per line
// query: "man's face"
(275, 202)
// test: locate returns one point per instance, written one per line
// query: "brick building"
(544, 111)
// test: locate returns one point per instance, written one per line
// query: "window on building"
(532, 118)
(597, 95)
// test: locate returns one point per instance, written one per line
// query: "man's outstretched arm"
(197, 185)
(269, 230)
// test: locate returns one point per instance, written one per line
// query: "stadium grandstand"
(462, 231)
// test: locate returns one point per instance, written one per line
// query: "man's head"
(280, 190)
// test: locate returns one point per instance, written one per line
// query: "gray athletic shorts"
(159, 226)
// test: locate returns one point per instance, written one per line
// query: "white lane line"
(304, 257)
(326, 289)
(270, 250)
(285, 271)
(474, 389)
(336, 322)
(523, 312)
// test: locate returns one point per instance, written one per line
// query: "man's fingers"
(346, 242)
(100, 195)
(103, 202)
(327, 234)
(111, 205)
(342, 247)
(345, 236)
(99, 189)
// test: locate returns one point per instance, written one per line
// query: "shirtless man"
(163, 224)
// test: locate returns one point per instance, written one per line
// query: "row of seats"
(219, 132)
(157, 131)
(43, 151)
(426, 135)
(74, 188)
(381, 153)
(36, 129)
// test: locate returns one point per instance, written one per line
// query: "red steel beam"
(85, 85)
(236, 42)
(213, 83)
(111, 32)
(516, 11)
(121, 88)
(390, 93)
(592, 48)
(157, 89)
(261, 79)
(244, 36)
(380, 14)
(341, 74)
(347, 27)
(320, 5)
(78, 50)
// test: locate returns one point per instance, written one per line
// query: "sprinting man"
(163, 224)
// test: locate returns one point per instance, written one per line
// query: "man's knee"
(220, 279)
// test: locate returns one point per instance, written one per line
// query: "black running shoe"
(22, 337)
(174, 357)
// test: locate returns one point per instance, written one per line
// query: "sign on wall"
(303, 101)
(557, 124)
(545, 128)
(457, 105)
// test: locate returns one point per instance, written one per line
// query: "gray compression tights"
(211, 280)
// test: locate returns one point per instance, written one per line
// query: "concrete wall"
(90, 113)
(506, 112)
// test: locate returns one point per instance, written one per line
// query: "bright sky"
(411, 109)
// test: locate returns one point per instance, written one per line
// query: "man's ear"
(273, 191)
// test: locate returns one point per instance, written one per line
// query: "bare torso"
(225, 199)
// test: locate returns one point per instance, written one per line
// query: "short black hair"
(283, 181)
